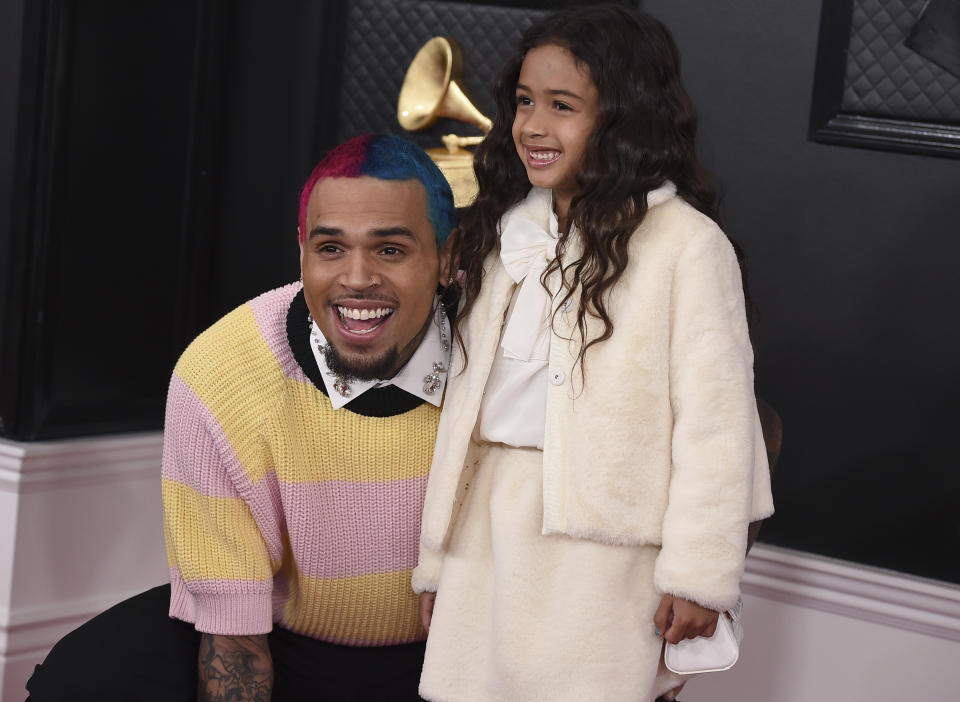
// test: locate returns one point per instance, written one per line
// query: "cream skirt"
(521, 617)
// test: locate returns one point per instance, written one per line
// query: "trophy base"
(457, 168)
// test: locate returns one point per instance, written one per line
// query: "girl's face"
(557, 106)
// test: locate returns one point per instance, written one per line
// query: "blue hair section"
(392, 158)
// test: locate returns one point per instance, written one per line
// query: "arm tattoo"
(235, 669)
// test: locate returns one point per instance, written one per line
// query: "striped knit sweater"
(278, 508)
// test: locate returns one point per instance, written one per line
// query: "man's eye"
(328, 249)
(391, 250)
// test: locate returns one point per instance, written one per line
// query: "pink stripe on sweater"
(341, 528)
(270, 312)
(191, 455)
(197, 453)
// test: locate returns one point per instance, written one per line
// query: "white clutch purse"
(708, 655)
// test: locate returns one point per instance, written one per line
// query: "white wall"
(819, 630)
(80, 529)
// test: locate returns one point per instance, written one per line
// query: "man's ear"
(447, 269)
(448, 265)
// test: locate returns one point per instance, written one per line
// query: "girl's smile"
(540, 158)
(557, 104)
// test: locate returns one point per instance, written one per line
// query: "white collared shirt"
(514, 406)
(410, 378)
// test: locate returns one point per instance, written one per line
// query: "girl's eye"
(562, 106)
(524, 100)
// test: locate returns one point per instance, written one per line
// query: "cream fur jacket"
(659, 442)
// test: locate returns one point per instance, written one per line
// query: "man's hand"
(235, 668)
(426, 609)
(679, 619)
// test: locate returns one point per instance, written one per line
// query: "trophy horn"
(430, 89)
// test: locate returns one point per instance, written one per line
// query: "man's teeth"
(544, 155)
(356, 313)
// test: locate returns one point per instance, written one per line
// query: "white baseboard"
(42, 465)
(853, 590)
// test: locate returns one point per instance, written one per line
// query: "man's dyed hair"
(386, 157)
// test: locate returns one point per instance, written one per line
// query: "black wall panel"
(156, 153)
(273, 96)
(114, 212)
(11, 248)
(852, 258)
(103, 150)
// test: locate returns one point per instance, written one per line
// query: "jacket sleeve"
(220, 568)
(713, 448)
(426, 576)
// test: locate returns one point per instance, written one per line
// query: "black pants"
(134, 652)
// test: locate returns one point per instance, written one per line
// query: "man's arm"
(235, 668)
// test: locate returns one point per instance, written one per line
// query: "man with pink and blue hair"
(299, 433)
(386, 157)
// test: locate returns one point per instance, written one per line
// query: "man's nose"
(359, 272)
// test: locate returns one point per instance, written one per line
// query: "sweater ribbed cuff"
(181, 601)
(223, 614)
(234, 615)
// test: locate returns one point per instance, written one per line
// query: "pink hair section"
(345, 161)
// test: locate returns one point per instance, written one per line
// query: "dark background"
(150, 159)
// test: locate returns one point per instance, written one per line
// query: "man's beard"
(379, 368)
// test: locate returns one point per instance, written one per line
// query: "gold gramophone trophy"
(430, 90)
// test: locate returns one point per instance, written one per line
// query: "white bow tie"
(528, 243)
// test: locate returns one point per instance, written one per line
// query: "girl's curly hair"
(645, 134)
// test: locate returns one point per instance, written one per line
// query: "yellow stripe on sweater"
(234, 373)
(341, 445)
(230, 547)
(361, 610)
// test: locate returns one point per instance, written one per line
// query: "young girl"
(599, 455)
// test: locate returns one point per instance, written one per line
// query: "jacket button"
(556, 377)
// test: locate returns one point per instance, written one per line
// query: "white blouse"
(514, 406)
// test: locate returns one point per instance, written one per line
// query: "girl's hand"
(426, 609)
(671, 695)
(677, 619)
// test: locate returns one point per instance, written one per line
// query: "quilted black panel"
(384, 35)
(884, 78)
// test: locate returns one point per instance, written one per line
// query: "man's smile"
(362, 320)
